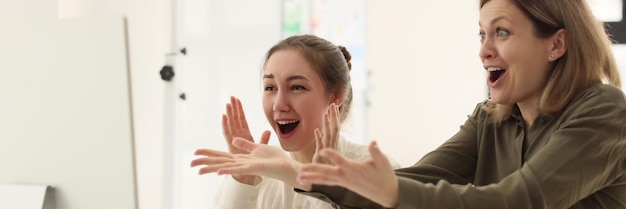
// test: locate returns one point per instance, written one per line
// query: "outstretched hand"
(329, 135)
(261, 160)
(373, 178)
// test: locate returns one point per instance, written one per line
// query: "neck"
(305, 155)
(530, 112)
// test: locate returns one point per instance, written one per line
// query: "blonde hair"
(588, 60)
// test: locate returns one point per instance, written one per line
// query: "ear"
(558, 45)
(337, 99)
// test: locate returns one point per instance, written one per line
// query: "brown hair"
(588, 60)
(331, 62)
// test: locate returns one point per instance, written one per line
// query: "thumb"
(376, 154)
(244, 144)
(265, 137)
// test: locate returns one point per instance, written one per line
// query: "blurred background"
(416, 73)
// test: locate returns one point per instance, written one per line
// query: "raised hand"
(373, 178)
(261, 160)
(329, 135)
(234, 124)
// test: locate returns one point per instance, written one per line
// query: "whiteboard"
(65, 111)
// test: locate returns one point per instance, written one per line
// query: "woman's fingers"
(210, 161)
(330, 127)
(319, 174)
(236, 170)
(241, 115)
(225, 127)
(319, 140)
(265, 137)
(231, 115)
(334, 121)
(325, 129)
(234, 112)
(244, 144)
(211, 157)
(212, 153)
(378, 156)
(216, 168)
(335, 157)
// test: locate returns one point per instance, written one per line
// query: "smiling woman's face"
(294, 99)
(515, 58)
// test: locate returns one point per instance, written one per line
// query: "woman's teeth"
(493, 69)
(287, 122)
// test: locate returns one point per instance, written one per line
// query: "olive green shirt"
(575, 159)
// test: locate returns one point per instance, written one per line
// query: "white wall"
(226, 42)
(426, 74)
(149, 33)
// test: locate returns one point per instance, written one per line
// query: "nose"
(281, 102)
(487, 50)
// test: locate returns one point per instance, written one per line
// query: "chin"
(500, 100)
(289, 147)
(296, 146)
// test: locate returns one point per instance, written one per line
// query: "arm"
(583, 155)
(454, 161)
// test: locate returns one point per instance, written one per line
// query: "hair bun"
(346, 55)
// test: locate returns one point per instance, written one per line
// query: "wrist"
(390, 197)
(292, 177)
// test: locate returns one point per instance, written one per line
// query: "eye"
(502, 32)
(269, 88)
(297, 87)
(481, 35)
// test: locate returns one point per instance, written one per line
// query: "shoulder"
(598, 97)
(601, 106)
(480, 114)
(603, 93)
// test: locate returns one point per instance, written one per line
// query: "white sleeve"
(232, 194)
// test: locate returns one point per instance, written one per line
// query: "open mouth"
(495, 73)
(287, 127)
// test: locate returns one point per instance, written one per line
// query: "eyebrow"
(290, 78)
(494, 20)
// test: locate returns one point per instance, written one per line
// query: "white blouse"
(274, 194)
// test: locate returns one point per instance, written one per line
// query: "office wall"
(226, 43)
(150, 34)
(426, 76)
(149, 41)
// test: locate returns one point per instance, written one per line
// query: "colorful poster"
(292, 17)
